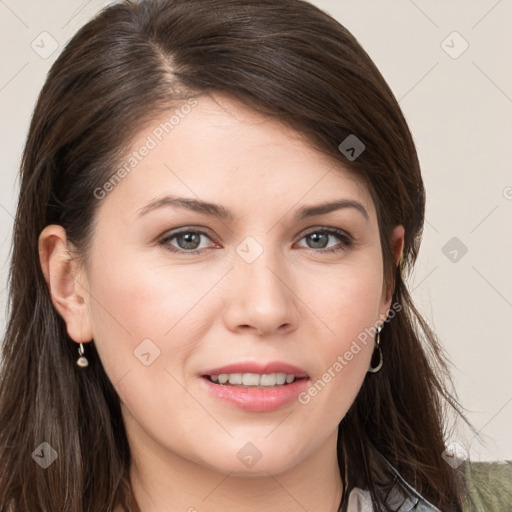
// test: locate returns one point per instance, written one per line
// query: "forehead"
(219, 150)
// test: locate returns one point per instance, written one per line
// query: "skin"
(294, 303)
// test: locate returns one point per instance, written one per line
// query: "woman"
(220, 200)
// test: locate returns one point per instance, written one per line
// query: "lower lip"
(257, 399)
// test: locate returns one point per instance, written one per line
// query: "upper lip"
(261, 368)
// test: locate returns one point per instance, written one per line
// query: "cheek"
(348, 305)
(148, 319)
(347, 301)
(140, 299)
(137, 309)
(140, 336)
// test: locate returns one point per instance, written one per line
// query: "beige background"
(459, 108)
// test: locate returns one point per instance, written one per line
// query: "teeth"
(281, 378)
(253, 379)
(249, 379)
(235, 378)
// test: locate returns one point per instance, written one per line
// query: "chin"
(254, 459)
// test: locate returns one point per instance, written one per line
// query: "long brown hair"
(132, 62)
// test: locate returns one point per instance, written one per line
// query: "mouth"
(253, 380)
(254, 386)
(254, 374)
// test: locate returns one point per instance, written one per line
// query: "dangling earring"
(82, 360)
(381, 357)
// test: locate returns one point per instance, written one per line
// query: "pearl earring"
(82, 360)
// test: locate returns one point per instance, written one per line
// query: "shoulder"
(359, 500)
(392, 488)
(403, 496)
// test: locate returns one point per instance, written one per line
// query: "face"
(209, 262)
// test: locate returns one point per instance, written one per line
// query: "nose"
(261, 297)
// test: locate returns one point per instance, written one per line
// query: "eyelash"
(346, 240)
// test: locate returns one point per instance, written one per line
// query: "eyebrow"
(219, 211)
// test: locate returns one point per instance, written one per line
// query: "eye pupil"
(192, 240)
(318, 238)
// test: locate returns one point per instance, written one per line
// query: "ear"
(66, 282)
(397, 243)
(397, 247)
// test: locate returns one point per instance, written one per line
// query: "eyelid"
(316, 229)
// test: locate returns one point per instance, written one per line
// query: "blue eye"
(320, 237)
(189, 241)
